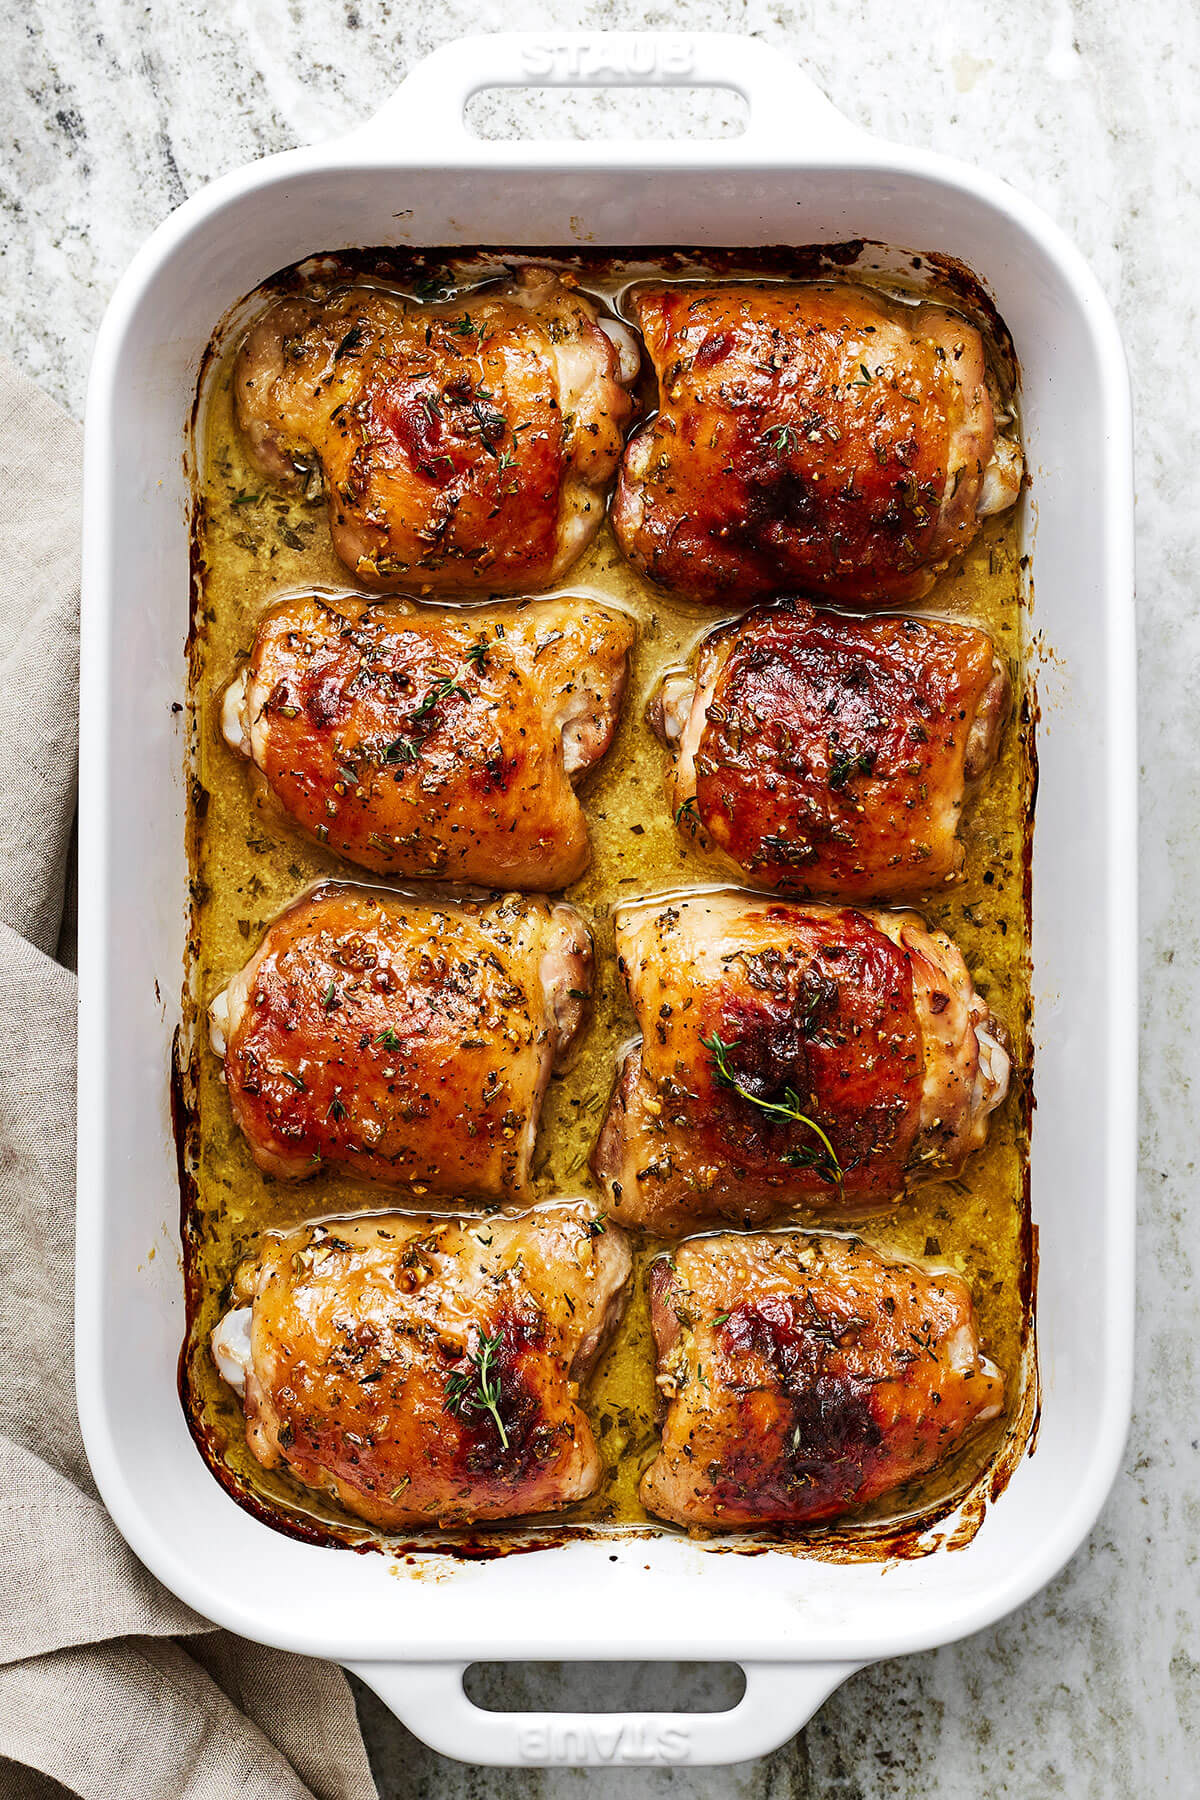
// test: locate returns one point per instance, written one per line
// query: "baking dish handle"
(429, 1699)
(784, 106)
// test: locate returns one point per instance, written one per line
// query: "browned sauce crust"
(461, 447)
(406, 1041)
(435, 744)
(832, 756)
(791, 1056)
(804, 1375)
(428, 1370)
(820, 438)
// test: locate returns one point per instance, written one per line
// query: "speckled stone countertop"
(112, 112)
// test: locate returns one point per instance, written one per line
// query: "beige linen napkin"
(98, 1694)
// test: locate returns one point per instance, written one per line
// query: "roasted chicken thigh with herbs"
(819, 438)
(427, 1370)
(462, 446)
(803, 1375)
(831, 755)
(792, 1056)
(402, 1041)
(434, 743)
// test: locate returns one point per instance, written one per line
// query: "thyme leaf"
(844, 764)
(399, 750)
(402, 749)
(441, 690)
(349, 343)
(783, 438)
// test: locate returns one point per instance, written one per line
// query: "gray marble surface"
(112, 112)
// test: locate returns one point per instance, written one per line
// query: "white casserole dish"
(801, 174)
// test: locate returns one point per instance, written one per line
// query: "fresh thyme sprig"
(402, 748)
(844, 764)
(477, 1388)
(441, 690)
(788, 1108)
(783, 438)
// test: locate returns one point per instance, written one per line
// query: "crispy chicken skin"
(867, 1023)
(804, 1375)
(437, 744)
(830, 755)
(819, 438)
(406, 1042)
(427, 1370)
(463, 447)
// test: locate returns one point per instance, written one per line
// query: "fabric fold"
(40, 475)
(108, 1685)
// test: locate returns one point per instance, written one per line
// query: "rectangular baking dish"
(801, 174)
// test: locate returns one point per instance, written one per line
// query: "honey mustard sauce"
(252, 544)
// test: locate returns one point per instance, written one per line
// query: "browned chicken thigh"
(791, 1056)
(434, 743)
(831, 755)
(820, 438)
(406, 1042)
(463, 447)
(804, 1375)
(427, 1370)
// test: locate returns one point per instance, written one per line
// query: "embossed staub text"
(581, 1743)
(635, 59)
